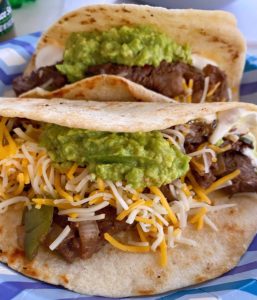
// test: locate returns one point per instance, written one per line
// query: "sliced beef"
(241, 144)
(216, 76)
(167, 78)
(166, 192)
(205, 180)
(247, 180)
(109, 223)
(227, 162)
(70, 248)
(49, 78)
(199, 133)
(85, 238)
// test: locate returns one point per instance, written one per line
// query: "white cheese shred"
(205, 90)
(7, 203)
(84, 210)
(87, 218)
(117, 195)
(60, 238)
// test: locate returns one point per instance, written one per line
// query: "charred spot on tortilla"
(162, 45)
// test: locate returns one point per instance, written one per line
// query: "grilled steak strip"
(228, 161)
(166, 79)
(48, 78)
(83, 241)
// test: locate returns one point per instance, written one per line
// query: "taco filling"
(82, 189)
(138, 53)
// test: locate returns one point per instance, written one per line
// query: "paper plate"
(240, 283)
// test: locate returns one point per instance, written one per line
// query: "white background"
(37, 16)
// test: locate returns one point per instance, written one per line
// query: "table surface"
(37, 16)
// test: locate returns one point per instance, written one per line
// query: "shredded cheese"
(124, 213)
(101, 185)
(87, 218)
(222, 181)
(199, 191)
(5, 204)
(83, 211)
(145, 220)
(160, 237)
(59, 189)
(123, 247)
(141, 233)
(117, 196)
(72, 170)
(213, 90)
(199, 218)
(164, 202)
(60, 238)
(205, 89)
(163, 248)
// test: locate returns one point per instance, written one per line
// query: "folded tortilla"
(212, 36)
(115, 273)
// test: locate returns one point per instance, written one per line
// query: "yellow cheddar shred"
(197, 165)
(21, 181)
(39, 171)
(77, 197)
(96, 201)
(202, 146)
(24, 164)
(198, 218)
(144, 220)
(50, 202)
(198, 190)
(219, 149)
(176, 232)
(141, 233)
(124, 213)
(213, 90)
(222, 181)
(149, 203)
(72, 170)
(61, 192)
(5, 137)
(186, 190)
(112, 203)
(163, 248)
(100, 184)
(123, 247)
(155, 190)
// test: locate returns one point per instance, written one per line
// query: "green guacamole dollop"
(131, 46)
(141, 159)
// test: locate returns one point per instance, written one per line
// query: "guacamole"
(141, 159)
(131, 46)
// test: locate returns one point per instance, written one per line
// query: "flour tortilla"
(101, 88)
(112, 116)
(211, 34)
(111, 272)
